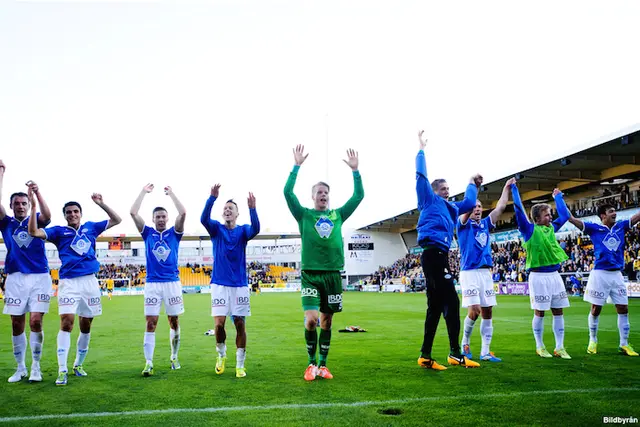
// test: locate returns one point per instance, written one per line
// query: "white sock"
(558, 330)
(486, 330)
(174, 337)
(222, 349)
(19, 348)
(240, 355)
(64, 342)
(538, 329)
(36, 339)
(149, 346)
(623, 328)
(593, 327)
(468, 330)
(83, 348)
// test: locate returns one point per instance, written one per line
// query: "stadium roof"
(615, 156)
(138, 238)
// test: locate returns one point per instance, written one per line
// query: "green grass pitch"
(377, 379)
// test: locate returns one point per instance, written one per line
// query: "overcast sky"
(108, 96)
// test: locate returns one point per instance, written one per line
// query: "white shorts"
(230, 301)
(602, 284)
(477, 288)
(27, 293)
(80, 295)
(158, 292)
(546, 291)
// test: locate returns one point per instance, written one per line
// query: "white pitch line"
(307, 406)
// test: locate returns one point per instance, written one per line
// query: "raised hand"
(148, 188)
(97, 199)
(477, 180)
(168, 190)
(251, 201)
(423, 141)
(298, 154)
(556, 192)
(215, 190)
(32, 196)
(510, 182)
(352, 159)
(32, 186)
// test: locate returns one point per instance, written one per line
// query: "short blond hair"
(313, 189)
(537, 209)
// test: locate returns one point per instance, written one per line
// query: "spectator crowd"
(509, 261)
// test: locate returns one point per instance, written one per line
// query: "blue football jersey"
(229, 247)
(77, 248)
(161, 250)
(475, 244)
(608, 244)
(25, 254)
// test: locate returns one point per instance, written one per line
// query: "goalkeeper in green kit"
(322, 258)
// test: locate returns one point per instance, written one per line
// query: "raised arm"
(182, 212)
(525, 227)
(464, 218)
(634, 219)
(358, 190)
(254, 228)
(3, 213)
(577, 223)
(293, 203)
(470, 195)
(205, 218)
(33, 222)
(563, 211)
(45, 213)
(502, 202)
(114, 218)
(135, 208)
(423, 188)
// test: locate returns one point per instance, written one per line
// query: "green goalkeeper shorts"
(322, 290)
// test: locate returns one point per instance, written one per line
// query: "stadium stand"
(509, 262)
(190, 274)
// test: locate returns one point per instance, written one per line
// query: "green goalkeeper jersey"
(321, 231)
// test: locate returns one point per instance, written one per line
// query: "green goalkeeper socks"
(325, 341)
(311, 337)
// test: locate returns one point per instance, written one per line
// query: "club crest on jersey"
(22, 238)
(161, 251)
(612, 242)
(81, 244)
(481, 238)
(324, 227)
